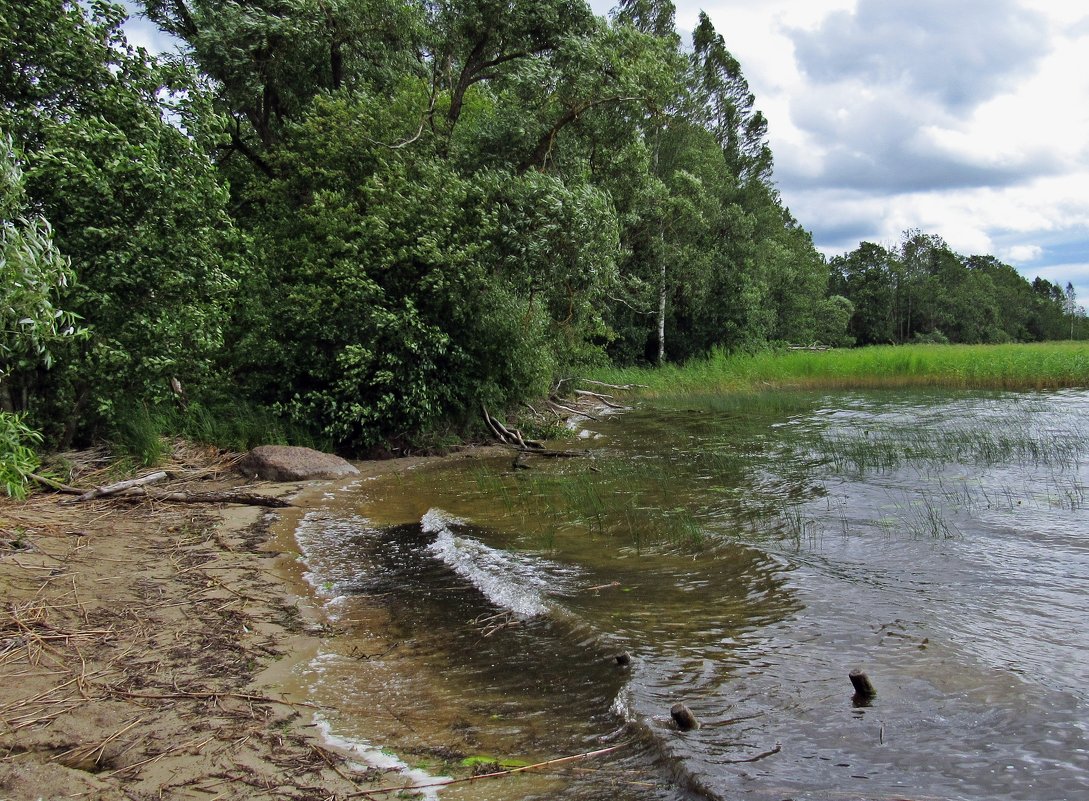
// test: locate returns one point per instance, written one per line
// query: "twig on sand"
(120, 486)
(262, 699)
(495, 775)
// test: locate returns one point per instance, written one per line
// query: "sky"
(968, 119)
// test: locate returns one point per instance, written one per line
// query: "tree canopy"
(366, 217)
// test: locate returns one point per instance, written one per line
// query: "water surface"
(747, 553)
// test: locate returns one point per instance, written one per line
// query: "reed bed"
(1050, 365)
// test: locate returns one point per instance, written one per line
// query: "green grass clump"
(142, 432)
(1050, 365)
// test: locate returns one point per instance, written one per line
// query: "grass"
(141, 432)
(1050, 365)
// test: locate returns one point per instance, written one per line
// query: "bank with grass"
(1036, 366)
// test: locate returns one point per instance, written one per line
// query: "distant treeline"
(922, 291)
(360, 220)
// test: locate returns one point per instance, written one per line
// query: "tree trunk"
(662, 289)
(7, 403)
(661, 313)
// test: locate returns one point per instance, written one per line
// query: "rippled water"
(747, 553)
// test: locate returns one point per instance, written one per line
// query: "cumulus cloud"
(958, 53)
(884, 141)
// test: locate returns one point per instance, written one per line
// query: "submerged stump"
(864, 689)
(683, 717)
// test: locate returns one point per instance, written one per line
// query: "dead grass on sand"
(131, 634)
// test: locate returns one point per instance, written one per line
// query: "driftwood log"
(591, 382)
(603, 399)
(120, 486)
(135, 489)
(45, 481)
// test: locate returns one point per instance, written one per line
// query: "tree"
(1070, 305)
(33, 277)
(833, 316)
(114, 146)
(865, 277)
(480, 40)
(725, 104)
(270, 58)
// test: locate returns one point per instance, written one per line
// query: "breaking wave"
(522, 583)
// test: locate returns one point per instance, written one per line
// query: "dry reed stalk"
(162, 755)
(84, 752)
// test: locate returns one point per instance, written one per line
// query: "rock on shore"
(292, 463)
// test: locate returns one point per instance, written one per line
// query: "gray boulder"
(290, 463)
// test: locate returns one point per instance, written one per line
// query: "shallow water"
(747, 553)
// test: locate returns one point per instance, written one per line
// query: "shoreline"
(147, 651)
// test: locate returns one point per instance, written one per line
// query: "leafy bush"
(17, 453)
(114, 148)
(33, 274)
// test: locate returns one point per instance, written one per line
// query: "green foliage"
(113, 147)
(833, 318)
(380, 314)
(33, 276)
(18, 457)
(924, 292)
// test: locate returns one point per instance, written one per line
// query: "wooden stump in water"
(683, 717)
(864, 689)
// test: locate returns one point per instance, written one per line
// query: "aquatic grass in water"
(1014, 442)
(620, 500)
(753, 552)
(753, 468)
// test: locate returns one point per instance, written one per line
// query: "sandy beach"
(142, 648)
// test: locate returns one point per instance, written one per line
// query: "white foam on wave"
(518, 582)
(369, 756)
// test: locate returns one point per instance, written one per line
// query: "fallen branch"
(549, 454)
(242, 498)
(556, 405)
(508, 436)
(120, 486)
(55, 485)
(613, 386)
(497, 774)
(762, 755)
(604, 399)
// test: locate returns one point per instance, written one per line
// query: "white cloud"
(1021, 253)
(869, 144)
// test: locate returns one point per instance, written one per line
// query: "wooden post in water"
(683, 717)
(864, 689)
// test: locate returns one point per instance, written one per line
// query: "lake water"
(747, 553)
